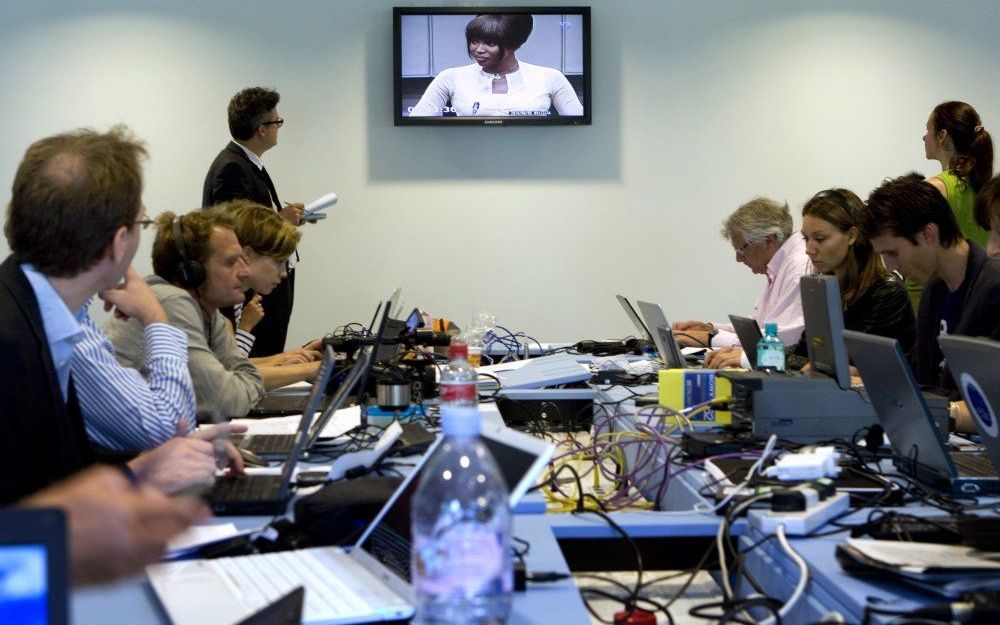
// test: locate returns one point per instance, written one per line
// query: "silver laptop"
(339, 400)
(369, 582)
(663, 336)
(643, 330)
(973, 364)
(917, 447)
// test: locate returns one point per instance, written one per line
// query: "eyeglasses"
(274, 122)
(741, 250)
(145, 222)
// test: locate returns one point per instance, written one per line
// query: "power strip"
(800, 523)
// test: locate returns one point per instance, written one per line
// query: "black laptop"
(748, 332)
(918, 448)
(269, 494)
(278, 446)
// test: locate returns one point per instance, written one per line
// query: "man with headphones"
(199, 268)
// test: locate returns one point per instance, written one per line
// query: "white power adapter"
(811, 464)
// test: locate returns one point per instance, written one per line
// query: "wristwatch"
(711, 335)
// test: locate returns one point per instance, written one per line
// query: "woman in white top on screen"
(497, 84)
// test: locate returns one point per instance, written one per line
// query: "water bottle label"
(463, 392)
(771, 359)
(467, 560)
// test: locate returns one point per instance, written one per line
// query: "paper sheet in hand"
(314, 209)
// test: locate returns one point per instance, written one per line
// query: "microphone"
(475, 108)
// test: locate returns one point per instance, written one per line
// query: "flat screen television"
(493, 66)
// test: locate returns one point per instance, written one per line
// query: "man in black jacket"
(239, 173)
(914, 229)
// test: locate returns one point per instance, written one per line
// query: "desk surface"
(830, 589)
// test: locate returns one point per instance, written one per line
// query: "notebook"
(268, 494)
(276, 446)
(663, 337)
(369, 582)
(973, 364)
(748, 332)
(634, 318)
(283, 404)
(917, 447)
(34, 561)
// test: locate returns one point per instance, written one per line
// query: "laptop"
(278, 446)
(283, 403)
(369, 582)
(269, 494)
(34, 565)
(748, 332)
(824, 323)
(973, 363)
(918, 448)
(634, 318)
(663, 337)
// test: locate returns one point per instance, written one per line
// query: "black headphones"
(190, 273)
(841, 199)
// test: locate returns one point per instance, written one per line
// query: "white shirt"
(250, 155)
(531, 90)
(780, 302)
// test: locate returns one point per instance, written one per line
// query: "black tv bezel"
(397, 62)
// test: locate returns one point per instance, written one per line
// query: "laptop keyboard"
(974, 464)
(268, 443)
(265, 577)
(248, 488)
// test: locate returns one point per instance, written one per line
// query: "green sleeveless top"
(960, 198)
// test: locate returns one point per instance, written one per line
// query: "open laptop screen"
(33, 564)
(517, 457)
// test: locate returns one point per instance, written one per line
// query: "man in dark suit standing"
(238, 173)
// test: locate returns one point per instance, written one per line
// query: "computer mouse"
(251, 459)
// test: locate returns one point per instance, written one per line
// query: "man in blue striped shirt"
(125, 409)
(73, 229)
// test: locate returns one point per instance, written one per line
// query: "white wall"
(698, 106)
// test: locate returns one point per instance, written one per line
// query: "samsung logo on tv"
(493, 122)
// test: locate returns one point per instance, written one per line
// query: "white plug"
(807, 465)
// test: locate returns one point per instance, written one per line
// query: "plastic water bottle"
(770, 350)
(458, 379)
(462, 567)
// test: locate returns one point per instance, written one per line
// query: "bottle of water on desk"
(461, 561)
(458, 379)
(770, 350)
